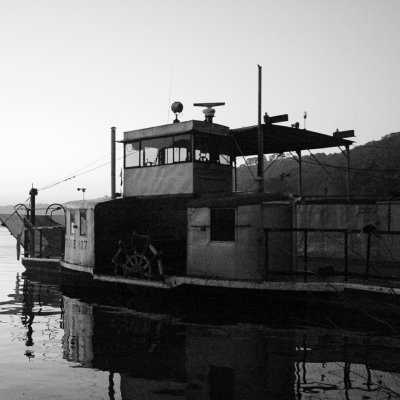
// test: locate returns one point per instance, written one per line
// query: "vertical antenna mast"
(113, 195)
(260, 141)
(169, 99)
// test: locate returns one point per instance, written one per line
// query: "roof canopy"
(280, 139)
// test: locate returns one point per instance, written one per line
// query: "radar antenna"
(209, 111)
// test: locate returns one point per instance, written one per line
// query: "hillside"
(375, 170)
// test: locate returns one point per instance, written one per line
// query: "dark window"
(222, 224)
(212, 149)
(203, 147)
(82, 223)
(72, 225)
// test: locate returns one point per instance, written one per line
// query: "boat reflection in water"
(154, 356)
(77, 321)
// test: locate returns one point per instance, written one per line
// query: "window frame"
(173, 150)
(72, 222)
(216, 147)
(140, 155)
(81, 212)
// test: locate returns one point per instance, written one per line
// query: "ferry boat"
(180, 221)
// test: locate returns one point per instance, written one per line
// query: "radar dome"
(177, 107)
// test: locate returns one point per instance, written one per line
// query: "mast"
(260, 141)
(113, 195)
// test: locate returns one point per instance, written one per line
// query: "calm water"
(57, 344)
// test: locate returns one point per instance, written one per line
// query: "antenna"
(83, 192)
(208, 112)
(305, 118)
(169, 98)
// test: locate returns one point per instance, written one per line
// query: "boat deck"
(171, 282)
(276, 283)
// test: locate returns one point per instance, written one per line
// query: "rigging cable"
(244, 158)
(323, 167)
(79, 170)
(343, 168)
(76, 174)
(265, 170)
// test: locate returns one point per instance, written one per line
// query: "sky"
(70, 70)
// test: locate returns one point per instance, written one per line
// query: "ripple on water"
(56, 346)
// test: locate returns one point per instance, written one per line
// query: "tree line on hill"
(374, 171)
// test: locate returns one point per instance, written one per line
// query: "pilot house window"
(158, 151)
(222, 227)
(212, 149)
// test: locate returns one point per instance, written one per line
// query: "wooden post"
(348, 173)
(235, 171)
(300, 174)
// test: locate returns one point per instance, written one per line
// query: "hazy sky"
(72, 69)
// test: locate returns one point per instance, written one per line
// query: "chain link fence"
(335, 252)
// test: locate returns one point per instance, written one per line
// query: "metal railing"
(44, 241)
(366, 253)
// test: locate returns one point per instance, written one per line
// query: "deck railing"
(366, 253)
(44, 241)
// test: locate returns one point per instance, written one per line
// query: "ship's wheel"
(139, 263)
(137, 257)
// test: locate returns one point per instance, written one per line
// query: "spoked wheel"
(139, 264)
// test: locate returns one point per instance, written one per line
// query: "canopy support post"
(348, 173)
(300, 173)
(260, 141)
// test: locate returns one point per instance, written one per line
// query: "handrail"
(60, 206)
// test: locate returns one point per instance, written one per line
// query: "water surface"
(60, 340)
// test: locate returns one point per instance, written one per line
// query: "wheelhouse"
(184, 158)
